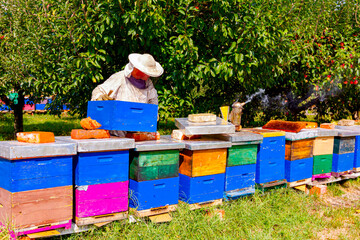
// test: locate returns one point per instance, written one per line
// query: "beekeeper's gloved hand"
(104, 97)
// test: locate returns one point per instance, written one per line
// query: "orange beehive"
(202, 162)
(35, 137)
(286, 126)
(88, 134)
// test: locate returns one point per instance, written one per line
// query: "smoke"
(250, 98)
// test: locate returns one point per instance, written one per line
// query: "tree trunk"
(18, 114)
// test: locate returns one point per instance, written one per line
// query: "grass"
(278, 214)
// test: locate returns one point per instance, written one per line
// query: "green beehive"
(322, 164)
(242, 155)
(152, 165)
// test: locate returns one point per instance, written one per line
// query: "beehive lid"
(241, 138)
(165, 143)
(206, 128)
(204, 143)
(348, 133)
(14, 150)
(265, 132)
(303, 134)
(323, 132)
(100, 145)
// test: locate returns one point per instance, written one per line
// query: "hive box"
(153, 194)
(299, 149)
(201, 189)
(101, 167)
(322, 164)
(270, 163)
(357, 152)
(298, 169)
(151, 165)
(239, 177)
(202, 162)
(35, 173)
(343, 162)
(124, 116)
(36, 208)
(323, 146)
(344, 145)
(242, 155)
(100, 199)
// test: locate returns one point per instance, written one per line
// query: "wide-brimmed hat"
(146, 64)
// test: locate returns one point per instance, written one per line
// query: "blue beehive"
(201, 189)
(124, 116)
(357, 152)
(35, 173)
(270, 164)
(101, 167)
(343, 162)
(298, 169)
(154, 193)
(239, 177)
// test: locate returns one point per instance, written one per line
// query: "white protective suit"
(124, 90)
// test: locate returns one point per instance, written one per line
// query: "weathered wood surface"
(205, 204)
(242, 155)
(153, 165)
(300, 149)
(36, 207)
(203, 162)
(299, 182)
(344, 145)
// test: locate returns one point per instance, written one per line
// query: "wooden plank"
(205, 204)
(339, 174)
(299, 182)
(323, 146)
(43, 234)
(299, 149)
(160, 218)
(155, 211)
(101, 218)
(37, 207)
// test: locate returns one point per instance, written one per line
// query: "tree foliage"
(303, 53)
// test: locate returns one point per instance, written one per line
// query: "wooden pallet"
(211, 203)
(50, 226)
(101, 219)
(339, 174)
(322, 181)
(154, 211)
(271, 185)
(299, 182)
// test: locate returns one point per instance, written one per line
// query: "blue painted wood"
(125, 116)
(155, 193)
(101, 167)
(357, 152)
(232, 195)
(343, 162)
(35, 173)
(238, 177)
(201, 189)
(270, 164)
(298, 169)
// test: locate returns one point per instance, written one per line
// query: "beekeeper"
(133, 84)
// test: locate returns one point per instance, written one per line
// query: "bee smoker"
(235, 114)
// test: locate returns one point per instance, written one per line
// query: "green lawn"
(279, 214)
